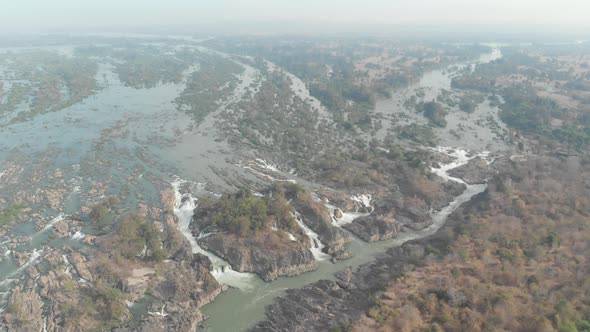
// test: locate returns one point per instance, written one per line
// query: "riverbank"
(249, 305)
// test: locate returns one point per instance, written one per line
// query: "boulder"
(60, 229)
(81, 266)
(137, 283)
(374, 228)
(168, 199)
(24, 311)
(475, 171)
(287, 258)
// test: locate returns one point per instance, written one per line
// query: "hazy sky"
(39, 15)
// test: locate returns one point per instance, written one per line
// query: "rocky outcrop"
(317, 217)
(342, 200)
(475, 171)
(478, 170)
(60, 230)
(268, 258)
(137, 283)
(187, 286)
(81, 266)
(175, 243)
(374, 228)
(54, 198)
(327, 304)
(408, 212)
(176, 296)
(89, 240)
(24, 311)
(168, 199)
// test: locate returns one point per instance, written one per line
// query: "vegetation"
(469, 102)
(536, 99)
(138, 238)
(516, 261)
(215, 80)
(9, 214)
(348, 76)
(276, 118)
(44, 81)
(101, 211)
(420, 134)
(434, 111)
(525, 111)
(242, 213)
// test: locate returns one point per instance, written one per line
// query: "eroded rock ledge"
(326, 304)
(267, 258)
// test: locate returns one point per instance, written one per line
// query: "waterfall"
(348, 217)
(220, 269)
(58, 218)
(316, 245)
(79, 235)
(460, 158)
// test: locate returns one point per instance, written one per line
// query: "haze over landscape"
(272, 165)
(247, 16)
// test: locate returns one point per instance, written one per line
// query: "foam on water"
(264, 164)
(461, 157)
(79, 235)
(58, 218)
(316, 245)
(348, 217)
(364, 199)
(68, 265)
(35, 254)
(221, 270)
(263, 175)
(160, 313)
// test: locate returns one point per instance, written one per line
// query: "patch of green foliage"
(9, 214)
(243, 213)
(469, 102)
(135, 234)
(215, 80)
(102, 210)
(418, 133)
(434, 111)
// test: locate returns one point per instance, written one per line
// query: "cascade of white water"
(35, 254)
(461, 157)
(184, 207)
(348, 217)
(58, 218)
(316, 245)
(79, 235)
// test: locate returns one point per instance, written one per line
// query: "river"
(160, 143)
(240, 309)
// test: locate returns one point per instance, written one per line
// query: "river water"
(151, 154)
(79, 140)
(476, 135)
(239, 309)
